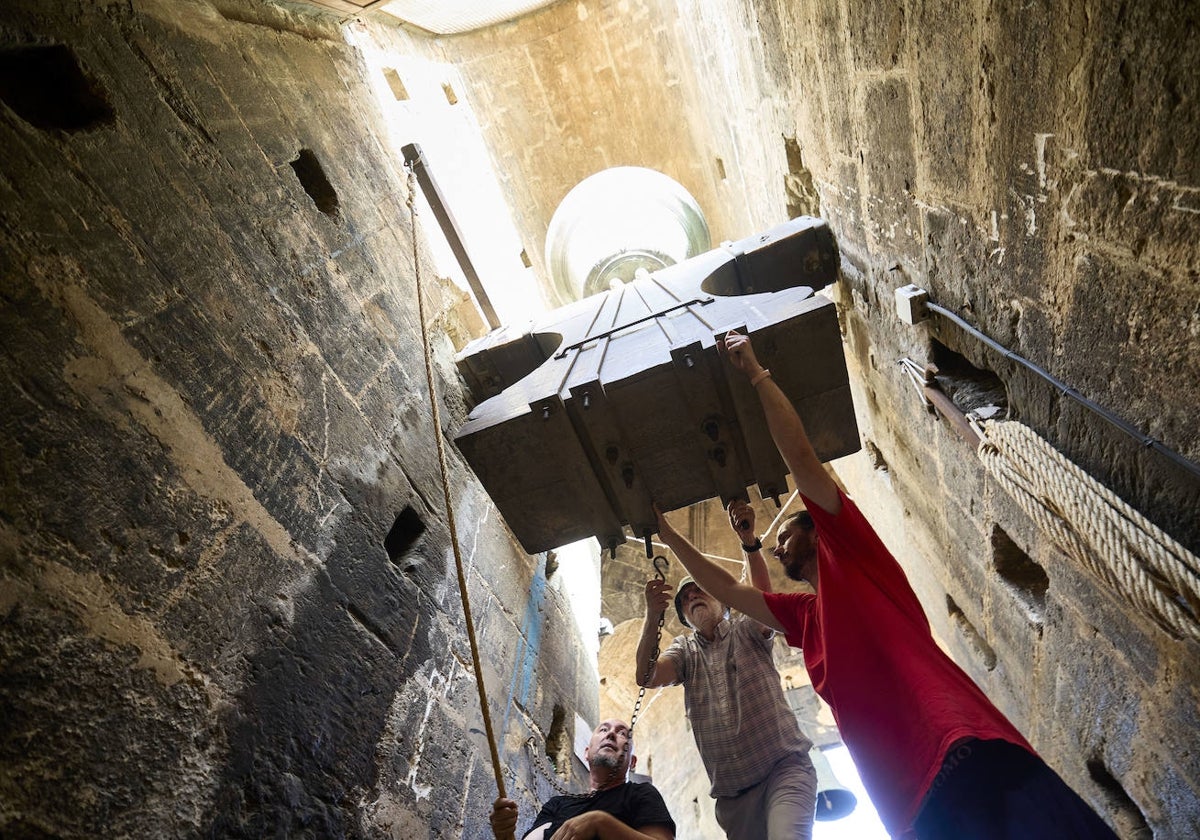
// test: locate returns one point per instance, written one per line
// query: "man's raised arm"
(787, 430)
(713, 579)
(658, 596)
(741, 520)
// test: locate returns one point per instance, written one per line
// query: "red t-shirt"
(899, 701)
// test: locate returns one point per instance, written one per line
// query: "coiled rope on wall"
(1094, 527)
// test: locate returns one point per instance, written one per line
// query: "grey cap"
(683, 584)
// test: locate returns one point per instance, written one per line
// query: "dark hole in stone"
(974, 638)
(405, 531)
(1130, 822)
(969, 387)
(1025, 578)
(312, 177)
(559, 742)
(48, 89)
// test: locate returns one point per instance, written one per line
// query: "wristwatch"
(755, 546)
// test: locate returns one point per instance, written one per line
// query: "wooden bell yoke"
(613, 401)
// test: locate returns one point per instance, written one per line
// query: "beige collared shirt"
(731, 691)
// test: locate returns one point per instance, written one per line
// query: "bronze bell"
(834, 801)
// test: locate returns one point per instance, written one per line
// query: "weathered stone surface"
(213, 401)
(215, 411)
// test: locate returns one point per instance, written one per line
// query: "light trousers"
(780, 807)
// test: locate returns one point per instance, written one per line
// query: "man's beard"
(794, 567)
(607, 760)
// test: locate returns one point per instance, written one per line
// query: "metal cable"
(1067, 391)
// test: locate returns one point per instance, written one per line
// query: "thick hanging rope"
(441, 451)
(1095, 528)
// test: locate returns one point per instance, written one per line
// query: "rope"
(1096, 528)
(441, 451)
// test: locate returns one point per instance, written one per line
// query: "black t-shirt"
(636, 804)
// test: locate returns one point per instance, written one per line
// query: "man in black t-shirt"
(613, 809)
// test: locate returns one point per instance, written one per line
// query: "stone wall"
(1027, 168)
(228, 603)
(1031, 167)
(583, 86)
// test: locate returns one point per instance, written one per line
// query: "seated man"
(612, 809)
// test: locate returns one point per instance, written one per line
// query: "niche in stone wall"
(404, 533)
(1024, 578)
(878, 462)
(970, 388)
(801, 191)
(1129, 822)
(46, 87)
(395, 83)
(559, 743)
(312, 177)
(979, 646)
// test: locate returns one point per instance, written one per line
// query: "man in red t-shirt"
(937, 758)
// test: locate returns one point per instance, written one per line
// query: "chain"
(544, 767)
(661, 574)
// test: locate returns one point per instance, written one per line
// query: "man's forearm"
(644, 649)
(757, 572)
(719, 583)
(791, 439)
(604, 826)
(711, 578)
(614, 829)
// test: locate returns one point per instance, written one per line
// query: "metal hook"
(660, 572)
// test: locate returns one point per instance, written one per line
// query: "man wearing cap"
(752, 748)
(938, 759)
